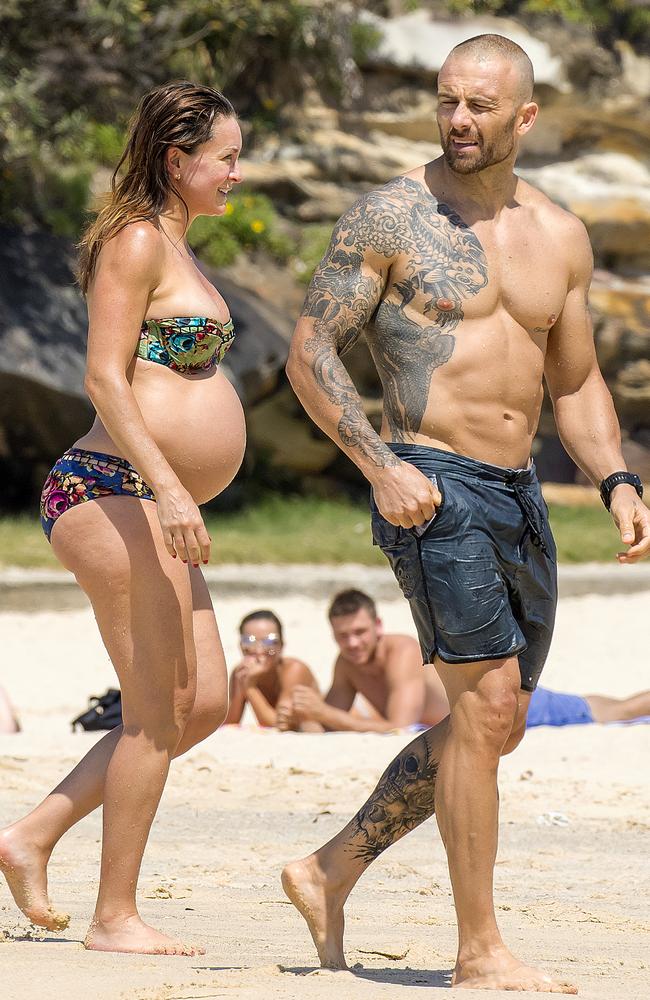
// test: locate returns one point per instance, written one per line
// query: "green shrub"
(250, 223)
(314, 241)
(64, 203)
(365, 39)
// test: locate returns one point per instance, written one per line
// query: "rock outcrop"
(43, 407)
(589, 150)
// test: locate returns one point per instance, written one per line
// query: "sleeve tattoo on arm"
(442, 262)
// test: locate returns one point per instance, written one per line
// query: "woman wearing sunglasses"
(265, 679)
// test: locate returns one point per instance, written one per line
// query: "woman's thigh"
(142, 600)
(211, 673)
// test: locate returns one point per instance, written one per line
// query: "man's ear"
(528, 117)
(379, 625)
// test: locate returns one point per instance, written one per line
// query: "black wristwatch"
(617, 479)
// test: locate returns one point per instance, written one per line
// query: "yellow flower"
(229, 209)
(257, 226)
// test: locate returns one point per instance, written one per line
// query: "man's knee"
(487, 714)
(515, 738)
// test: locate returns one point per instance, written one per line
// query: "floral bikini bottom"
(87, 475)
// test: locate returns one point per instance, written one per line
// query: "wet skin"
(471, 288)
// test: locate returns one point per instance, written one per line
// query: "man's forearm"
(589, 429)
(338, 720)
(323, 386)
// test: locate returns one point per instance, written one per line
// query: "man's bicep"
(349, 281)
(571, 354)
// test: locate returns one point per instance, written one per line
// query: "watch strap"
(617, 479)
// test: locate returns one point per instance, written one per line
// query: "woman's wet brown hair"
(179, 114)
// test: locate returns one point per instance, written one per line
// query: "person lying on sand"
(8, 719)
(557, 708)
(386, 670)
(265, 678)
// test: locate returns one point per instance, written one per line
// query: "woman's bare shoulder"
(138, 249)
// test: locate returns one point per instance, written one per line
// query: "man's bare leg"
(320, 884)
(483, 700)
(462, 752)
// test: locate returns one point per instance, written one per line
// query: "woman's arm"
(236, 700)
(129, 270)
(295, 674)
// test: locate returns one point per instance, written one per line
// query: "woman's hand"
(249, 671)
(182, 526)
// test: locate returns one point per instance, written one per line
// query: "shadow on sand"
(427, 978)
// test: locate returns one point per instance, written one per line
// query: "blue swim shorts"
(555, 708)
(481, 579)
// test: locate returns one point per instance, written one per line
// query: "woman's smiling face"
(211, 171)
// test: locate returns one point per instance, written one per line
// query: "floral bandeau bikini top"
(185, 343)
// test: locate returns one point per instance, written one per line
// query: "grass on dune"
(312, 530)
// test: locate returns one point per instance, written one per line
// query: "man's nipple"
(444, 304)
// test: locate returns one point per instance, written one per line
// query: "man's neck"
(481, 195)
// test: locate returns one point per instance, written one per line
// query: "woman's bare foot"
(306, 885)
(501, 971)
(24, 866)
(131, 934)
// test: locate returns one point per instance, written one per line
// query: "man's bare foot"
(25, 868)
(501, 971)
(306, 886)
(131, 934)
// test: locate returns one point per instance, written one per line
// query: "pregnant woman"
(120, 508)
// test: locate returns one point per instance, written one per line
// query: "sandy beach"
(573, 858)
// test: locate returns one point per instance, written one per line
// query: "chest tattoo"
(440, 263)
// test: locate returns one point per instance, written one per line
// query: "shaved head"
(487, 48)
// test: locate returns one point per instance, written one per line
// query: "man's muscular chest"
(457, 273)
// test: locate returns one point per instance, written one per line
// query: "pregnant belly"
(198, 424)
(203, 436)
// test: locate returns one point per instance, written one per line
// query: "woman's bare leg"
(606, 709)
(25, 847)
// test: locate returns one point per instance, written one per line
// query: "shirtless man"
(477, 287)
(386, 670)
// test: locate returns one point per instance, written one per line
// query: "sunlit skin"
(266, 679)
(386, 670)
(131, 556)
(463, 370)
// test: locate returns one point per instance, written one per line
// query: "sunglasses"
(266, 642)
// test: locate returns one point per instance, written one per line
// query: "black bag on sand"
(104, 712)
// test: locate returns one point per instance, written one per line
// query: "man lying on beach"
(387, 672)
(472, 290)
(265, 678)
